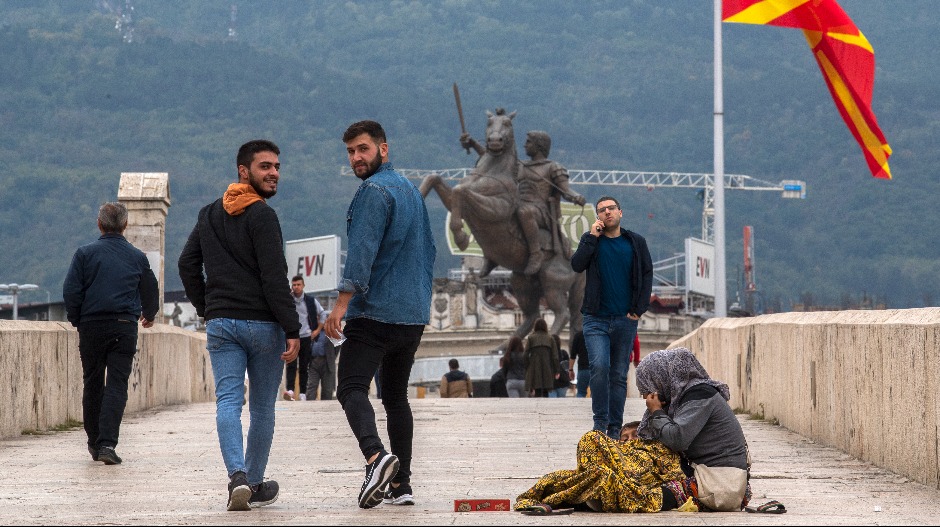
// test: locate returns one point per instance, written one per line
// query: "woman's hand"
(652, 402)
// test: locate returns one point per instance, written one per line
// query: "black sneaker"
(239, 493)
(400, 495)
(108, 455)
(378, 474)
(264, 493)
(94, 453)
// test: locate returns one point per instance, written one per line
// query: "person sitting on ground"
(688, 412)
(456, 383)
(611, 476)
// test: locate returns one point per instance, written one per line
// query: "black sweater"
(585, 258)
(245, 270)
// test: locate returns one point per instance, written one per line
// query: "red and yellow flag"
(845, 57)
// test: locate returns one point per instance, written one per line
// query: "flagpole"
(721, 302)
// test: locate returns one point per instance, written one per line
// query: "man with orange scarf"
(235, 274)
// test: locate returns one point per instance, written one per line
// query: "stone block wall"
(41, 373)
(865, 382)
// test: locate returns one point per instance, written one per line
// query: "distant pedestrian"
(579, 356)
(562, 382)
(498, 380)
(385, 297)
(322, 371)
(542, 359)
(636, 350)
(308, 311)
(235, 274)
(108, 289)
(455, 383)
(616, 294)
(516, 366)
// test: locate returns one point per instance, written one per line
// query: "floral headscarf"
(671, 373)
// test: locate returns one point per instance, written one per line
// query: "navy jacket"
(110, 279)
(585, 258)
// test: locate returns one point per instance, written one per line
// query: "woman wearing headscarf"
(689, 413)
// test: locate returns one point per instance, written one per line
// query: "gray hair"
(112, 217)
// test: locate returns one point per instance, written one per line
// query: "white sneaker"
(303, 397)
(289, 395)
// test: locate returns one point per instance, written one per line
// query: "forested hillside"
(618, 84)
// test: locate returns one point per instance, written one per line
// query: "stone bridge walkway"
(471, 448)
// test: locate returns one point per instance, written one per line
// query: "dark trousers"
(321, 377)
(107, 350)
(303, 362)
(370, 344)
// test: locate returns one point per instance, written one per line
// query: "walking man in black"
(108, 289)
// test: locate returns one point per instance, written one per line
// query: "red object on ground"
(481, 506)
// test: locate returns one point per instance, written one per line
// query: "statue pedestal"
(470, 321)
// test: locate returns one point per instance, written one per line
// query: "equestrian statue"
(512, 208)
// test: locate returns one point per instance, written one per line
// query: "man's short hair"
(112, 216)
(606, 198)
(374, 129)
(453, 364)
(297, 278)
(541, 140)
(246, 153)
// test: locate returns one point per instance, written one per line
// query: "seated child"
(628, 431)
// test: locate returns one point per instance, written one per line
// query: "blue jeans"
(558, 392)
(236, 346)
(609, 341)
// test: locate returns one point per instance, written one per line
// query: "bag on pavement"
(721, 488)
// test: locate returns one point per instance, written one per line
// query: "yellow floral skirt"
(622, 476)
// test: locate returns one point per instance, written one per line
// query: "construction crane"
(649, 180)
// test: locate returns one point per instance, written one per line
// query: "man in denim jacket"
(385, 296)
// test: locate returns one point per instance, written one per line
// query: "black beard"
(261, 192)
(373, 167)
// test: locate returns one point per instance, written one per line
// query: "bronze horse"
(487, 200)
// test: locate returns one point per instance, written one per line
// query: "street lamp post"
(15, 290)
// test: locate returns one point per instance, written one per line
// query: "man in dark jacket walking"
(246, 300)
(108, 288)
(616, 294)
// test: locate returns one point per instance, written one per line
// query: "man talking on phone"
(616, 294)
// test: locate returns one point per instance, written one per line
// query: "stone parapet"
(41, 373)
(865, 382)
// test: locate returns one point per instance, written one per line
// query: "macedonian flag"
(845, 57)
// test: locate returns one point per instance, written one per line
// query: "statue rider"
(540, 183)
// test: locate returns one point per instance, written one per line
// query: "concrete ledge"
(865, 382)
(41, 373)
